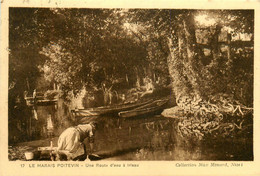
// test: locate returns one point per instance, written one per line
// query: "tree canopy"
(211, 66)
(206, 55)
(202, 75)
(78, 48)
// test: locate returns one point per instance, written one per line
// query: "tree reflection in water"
(146, 138)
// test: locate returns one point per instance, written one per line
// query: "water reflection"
(146, 138)
(49, 121)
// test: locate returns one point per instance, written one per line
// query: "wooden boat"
(46, 102)
(85, 113)
(151, 108)
(108, 110)
(39, 101)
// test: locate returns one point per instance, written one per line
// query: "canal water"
(147, 138)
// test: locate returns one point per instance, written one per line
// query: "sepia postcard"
(129, 88)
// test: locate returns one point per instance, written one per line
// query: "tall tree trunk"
(193, 63)
(229, 60)
(183, 62)
(214, 42)
(190, 38)
(27, 83)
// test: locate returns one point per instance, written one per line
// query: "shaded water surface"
(155, 138)
(145, 138)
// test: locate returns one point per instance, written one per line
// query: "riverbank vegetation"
(205, 56)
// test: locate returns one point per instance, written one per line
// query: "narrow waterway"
(147, 138)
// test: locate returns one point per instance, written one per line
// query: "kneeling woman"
(71, 141)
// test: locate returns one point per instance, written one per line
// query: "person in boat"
(107, 94)
(34, 96)
(149, 88)
(50, 127)
(123, 98)
(71, 141)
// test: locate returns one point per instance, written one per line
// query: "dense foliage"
(210, 69)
